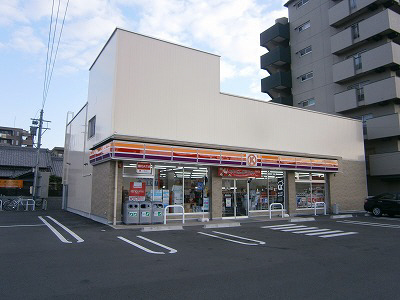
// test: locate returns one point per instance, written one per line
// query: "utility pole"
(39, 144)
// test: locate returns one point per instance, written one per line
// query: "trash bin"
(157, 215)
(130, 212)
(335, 209)
(145, 212)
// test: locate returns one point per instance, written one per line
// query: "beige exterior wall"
(348, 187)
(216, 194)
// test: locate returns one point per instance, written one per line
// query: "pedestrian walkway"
(310, 231)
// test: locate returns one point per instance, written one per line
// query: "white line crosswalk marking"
(325, 232)
(337, 234)
(310, 231)
(370, 224)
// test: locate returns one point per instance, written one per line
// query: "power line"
(51, 55)
(55, 56)
(48, 47)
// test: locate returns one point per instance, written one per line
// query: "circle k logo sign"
(251, 160)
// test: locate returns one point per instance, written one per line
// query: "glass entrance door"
(234, 198)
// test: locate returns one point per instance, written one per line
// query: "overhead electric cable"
(55, 56)
(51, 55)
(48, 47)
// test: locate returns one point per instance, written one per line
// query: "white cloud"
(227, 70)
(10, 12)
(25, 40)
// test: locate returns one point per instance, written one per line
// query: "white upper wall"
(169, 92)
(101, 94)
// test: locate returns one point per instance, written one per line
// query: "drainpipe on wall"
(115, 193)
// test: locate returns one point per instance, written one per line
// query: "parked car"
(387, 203)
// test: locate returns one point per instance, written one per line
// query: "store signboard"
(143, 168)
(251, 160)
(137, 191)
(239, 172)
(8, 183)
(281, 190)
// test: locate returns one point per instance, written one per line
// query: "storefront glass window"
(310, 188)
(173, 184)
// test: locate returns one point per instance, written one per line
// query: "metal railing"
(320, 204)
(275, 204)
(175, 205)
(27, 203)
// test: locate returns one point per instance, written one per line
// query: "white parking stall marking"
(298, 229)
(15, 226)
(370, 224)
(240, 237)
(230, 240)
(171, 250)
(60, 237)
(139, 246)
(337, 234)
(291, 227)
(77, 237)
(311, 230)
(278, 226)
(326, 232)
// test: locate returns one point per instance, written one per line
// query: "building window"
(357, 62)
(353, 4)
(355, 31)
(364, 119)
(303, 26)
(359, 87)
(306, 103)
(301, 3)
(306, 76)
(310, 188)
(92, 127)
(305, 51)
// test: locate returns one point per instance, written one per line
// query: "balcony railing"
(348, 9)
(278, 80)
(277, 57)
(383, 127)
(277, 33)
(376, 59)
(384, 164)
(383, 23)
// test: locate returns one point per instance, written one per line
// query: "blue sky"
(229, 28)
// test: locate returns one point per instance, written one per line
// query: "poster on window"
(137, 191)
(228, 202)
(281, 190)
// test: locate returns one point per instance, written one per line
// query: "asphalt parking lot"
(59, 255)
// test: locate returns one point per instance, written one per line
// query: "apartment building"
(15, 137)
(342, 57)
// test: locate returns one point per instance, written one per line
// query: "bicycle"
(11, 204)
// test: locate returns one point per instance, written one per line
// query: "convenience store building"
(156, 127)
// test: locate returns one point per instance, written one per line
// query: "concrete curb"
(341, 216)
(162, 228)
(302, 219)
(222, 225)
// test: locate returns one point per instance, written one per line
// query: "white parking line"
(60, 237)
(12, 226)
(291, 227)
(278, 226)
(171, 250)
(139, 246)
(225, 239)
(370, 224)
(298, 229)
(327, 232)
(77, 237)
(239, 237)
(312, 230)
(337, 234)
